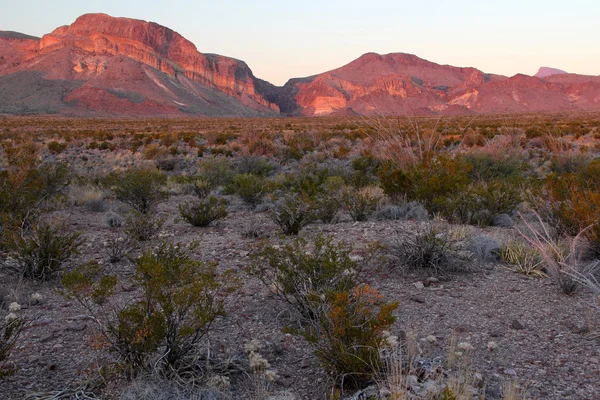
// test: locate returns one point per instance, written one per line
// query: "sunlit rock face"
(404, 84)
(136, 64)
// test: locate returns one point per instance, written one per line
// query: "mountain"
(545, 72)
(398, 84)
(101, 65)
(106, 66)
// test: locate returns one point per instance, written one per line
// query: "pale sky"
(280, 39)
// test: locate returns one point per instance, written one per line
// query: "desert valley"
(174, 227)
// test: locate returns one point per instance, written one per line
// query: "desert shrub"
(348, 334)
(118, 247)
(41, 253)
(360, 203)
(299, 273)
(571, 203)
(479, 203)
(180, 299)
(426, 183)
(26, 190)
(254, 165)
(291, 213)
(217, 171)
(364, 171)
(140, 189)
(55, 147)
(484, 166)
(328, 199)
(430, 247)
(523, 258)
(167, 163)
(201, 188)
(143, 227)
(204, 212)
(251, 188)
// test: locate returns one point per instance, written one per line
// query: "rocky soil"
(521, 329)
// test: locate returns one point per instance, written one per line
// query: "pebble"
(510, 372)
(419, 285)
(418, 299)
(517, 325)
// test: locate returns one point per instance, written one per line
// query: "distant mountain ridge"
(106, 66)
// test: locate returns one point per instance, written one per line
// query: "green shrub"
(348, 335)
(143, 227)
(55, 147)
(140, 189)
(360, 203)
(484, 167)
(204, 212)
(299, 273)
(42, 252)
(251, 188)
(571, 203)
(479, 203)
(26, 191)
(217, 171)
(328, 199)
(180, 300)
(292, 213)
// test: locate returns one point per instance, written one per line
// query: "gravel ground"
(545, 340)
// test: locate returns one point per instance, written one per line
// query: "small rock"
(510, 372)
(418, 299)
(462, 328)
(305, 363)
(517, 325)
(385, 393)
(433, 280)
(419, 285)
(491, 346)
(496, 333)
(48, 338)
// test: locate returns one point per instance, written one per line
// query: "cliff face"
(95, 45)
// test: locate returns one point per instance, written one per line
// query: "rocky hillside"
(105, 65)
(399, 84)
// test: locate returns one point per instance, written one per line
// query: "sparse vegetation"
(426, 192)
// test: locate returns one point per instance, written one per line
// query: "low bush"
(341, 318)
(299, 273)
(180, 300)
(204, 212)
(41, 253)
(140, 189)
(431, 247)
(291, 213)
(251, 188)
(27, 190)
(143, 227)
(360, 203)
(348, 334)
(217, 171)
